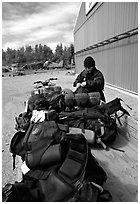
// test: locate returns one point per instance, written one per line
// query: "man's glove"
(83, 84)
(78, 85)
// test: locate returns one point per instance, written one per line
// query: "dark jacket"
(94, 82)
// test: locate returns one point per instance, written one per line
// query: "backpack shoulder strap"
(27, 135)
(74, 165)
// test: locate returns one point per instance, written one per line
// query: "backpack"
(40, 138)
(41, 186)
(57, 160)
(32, 144)
(101, 119)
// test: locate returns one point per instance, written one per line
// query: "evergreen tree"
(28, 54)
(59, 53)
(8, 56)
(22, 55)
(3, 57)
(69, 54)
(17, 56)
(38, 53)
(66, 56)
(48, 54)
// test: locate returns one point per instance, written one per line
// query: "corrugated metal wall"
(118, 61)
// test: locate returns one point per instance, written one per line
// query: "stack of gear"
(100, 119)
(53, 137)
(84, 111)
(46, 96)
(60, 167)
(49, 96)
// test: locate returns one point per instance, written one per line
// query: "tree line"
(29, 54)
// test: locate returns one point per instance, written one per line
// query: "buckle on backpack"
(78, 185)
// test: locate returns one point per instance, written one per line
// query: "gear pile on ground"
(53, 138)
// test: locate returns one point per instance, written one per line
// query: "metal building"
(108, 31)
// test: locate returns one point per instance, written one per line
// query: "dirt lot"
(121, 168)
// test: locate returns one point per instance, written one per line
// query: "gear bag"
(77, 175)
(32, 144)
(101, 119)
(41, 144)
(46, 101)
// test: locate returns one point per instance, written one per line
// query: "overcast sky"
(30, 23)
